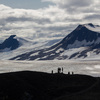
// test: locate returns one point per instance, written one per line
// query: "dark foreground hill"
(29, 85)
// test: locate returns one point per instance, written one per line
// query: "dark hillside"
(29, 85)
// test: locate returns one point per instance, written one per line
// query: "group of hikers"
(60, 70)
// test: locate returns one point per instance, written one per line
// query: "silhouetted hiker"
(72, 73)
(59, 70)
(62, 69)
(68, 73)
(52, 71)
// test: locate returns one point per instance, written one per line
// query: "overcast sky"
(46, 18)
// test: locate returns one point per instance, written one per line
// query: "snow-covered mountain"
(25, 45)
(82, 43)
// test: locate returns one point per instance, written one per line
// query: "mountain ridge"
(80, 43)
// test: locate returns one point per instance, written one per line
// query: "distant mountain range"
(82, 43)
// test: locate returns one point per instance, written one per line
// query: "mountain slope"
(83, 42)
(80, 37)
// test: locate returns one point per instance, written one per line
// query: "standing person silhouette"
(52, 71)
(59, 70)
(62, 69)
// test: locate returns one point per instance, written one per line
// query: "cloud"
(71, 2)
(76, 11)
(29, 19)
(92, 17)
(33, 23)
(75, 6)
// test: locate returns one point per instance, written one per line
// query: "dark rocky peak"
(81, 33)
(12, 36)
(84, 26)
(10, 42)
(90, 24)
(80, 27)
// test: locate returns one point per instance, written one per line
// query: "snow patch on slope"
(59, 50)
(5, 50)
(71, 51)
(34, 54)
(95, 28)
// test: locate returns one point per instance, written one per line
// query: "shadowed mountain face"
(29, 85)
(11, 43)
(83, 42)
(83, 35)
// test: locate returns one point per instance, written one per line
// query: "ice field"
(78, 67)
